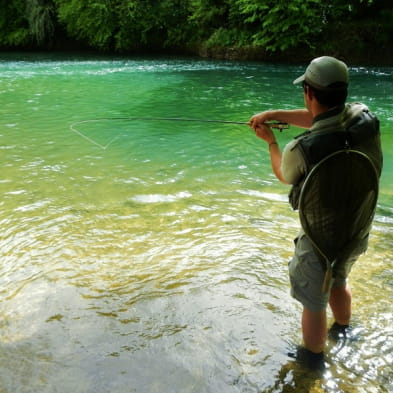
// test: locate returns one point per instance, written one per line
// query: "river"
(151, 256)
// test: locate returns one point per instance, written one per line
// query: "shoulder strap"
(317, 145)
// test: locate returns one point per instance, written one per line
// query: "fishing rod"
(276, 125)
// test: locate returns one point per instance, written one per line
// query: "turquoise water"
(159, 263)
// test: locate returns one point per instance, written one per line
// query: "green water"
(159, 264)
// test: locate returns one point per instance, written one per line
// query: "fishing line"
(277, 125)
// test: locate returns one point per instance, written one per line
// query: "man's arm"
(265, 133)
(297, 117)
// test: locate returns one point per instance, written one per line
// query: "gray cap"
(323, 71)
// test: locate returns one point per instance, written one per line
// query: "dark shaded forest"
(285, 30)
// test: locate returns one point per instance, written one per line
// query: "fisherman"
(325, 89)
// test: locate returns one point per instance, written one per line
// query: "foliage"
(40, 15)
(89, 21)
(281, 24)
(124, 24)
(134, 25)
(14, 29)
(151, 23)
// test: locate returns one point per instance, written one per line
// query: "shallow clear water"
(159, 264)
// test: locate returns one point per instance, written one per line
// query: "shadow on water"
(294, 378)
(350, 366)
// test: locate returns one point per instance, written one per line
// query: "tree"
(40, 15)
(14, 28)
(151, 23)
(92, 22)
(275, 25)
(365, 27)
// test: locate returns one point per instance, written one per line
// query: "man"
(325, 85)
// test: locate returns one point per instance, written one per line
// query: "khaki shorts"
(307, 272)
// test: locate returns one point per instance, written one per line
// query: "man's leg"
(340, 303)
(314, 327)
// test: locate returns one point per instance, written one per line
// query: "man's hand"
(259, 119)
(264, 132)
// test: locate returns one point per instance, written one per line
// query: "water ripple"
(170, 248)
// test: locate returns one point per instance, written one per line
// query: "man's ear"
(309, 93)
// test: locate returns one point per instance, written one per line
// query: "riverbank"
(368, 56)
(285, 32)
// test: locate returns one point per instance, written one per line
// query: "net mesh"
(337, 202)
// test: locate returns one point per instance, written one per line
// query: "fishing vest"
(314, 146)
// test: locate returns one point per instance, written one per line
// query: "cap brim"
(299, 80)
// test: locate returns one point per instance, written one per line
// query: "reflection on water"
(160, 263)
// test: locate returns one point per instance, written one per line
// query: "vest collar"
(330, 113)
